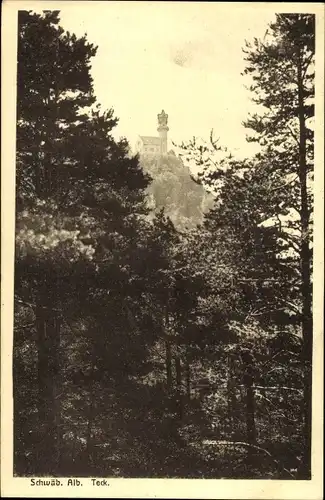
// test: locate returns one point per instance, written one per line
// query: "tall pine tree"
(282, 68)
(80, 207)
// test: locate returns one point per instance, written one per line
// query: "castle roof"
(150, 141)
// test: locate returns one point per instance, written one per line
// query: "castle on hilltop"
(153, 146)
(172, 186)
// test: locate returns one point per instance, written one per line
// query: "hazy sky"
(185, 58)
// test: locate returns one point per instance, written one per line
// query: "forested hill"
(173, 189)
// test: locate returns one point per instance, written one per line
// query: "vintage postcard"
(162, 250)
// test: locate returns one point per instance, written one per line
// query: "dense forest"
(141, 350)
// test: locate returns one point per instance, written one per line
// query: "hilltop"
(173, 188)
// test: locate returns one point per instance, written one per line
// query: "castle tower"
(162, 130)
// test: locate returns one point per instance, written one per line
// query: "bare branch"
(248, 445)
(267, 388)
(309, 59)
(29, 325)
(293, 134)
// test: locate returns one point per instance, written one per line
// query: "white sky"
(184, 58)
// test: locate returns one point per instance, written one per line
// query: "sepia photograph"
(164, 237)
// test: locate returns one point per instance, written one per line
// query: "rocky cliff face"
(173, 189)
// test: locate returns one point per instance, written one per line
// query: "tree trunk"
(306, 291)
(89, 451)
(91, 410)
(49, 386)
(231, 395)
(179, 392)
(169, 376)
(57, 389)
(47, 325)
(188, 379)
(250, 403)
